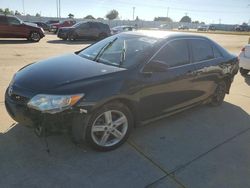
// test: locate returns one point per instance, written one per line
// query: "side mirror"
(155, 66)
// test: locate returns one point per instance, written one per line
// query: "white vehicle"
(123, 28)
(244, 59)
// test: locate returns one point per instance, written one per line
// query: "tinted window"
(201, 50)
(94, 25)
(84, 26)
(217, 53)
(13, 21)
(3, 20)
(174, 54)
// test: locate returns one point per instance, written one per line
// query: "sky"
(209, 11)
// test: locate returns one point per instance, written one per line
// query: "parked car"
(43, 25)
(49, 22)
(165, 26)
(211, 28)
(123, 28)
(244, 59)
(242, 28)
(13, 27)
(67, 23)
(183, 27)
(101, 92)
(84, 30)
(202, 28)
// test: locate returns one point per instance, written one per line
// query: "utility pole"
(59, 2)
(133, 13)
(57, 8)
(167, 11)
(23, 7)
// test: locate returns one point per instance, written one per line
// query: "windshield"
(121, 51)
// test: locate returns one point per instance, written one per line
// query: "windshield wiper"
(103, 49)
(123, 54)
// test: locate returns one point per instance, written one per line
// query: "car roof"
(163, 34)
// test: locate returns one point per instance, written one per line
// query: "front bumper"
(20, 112)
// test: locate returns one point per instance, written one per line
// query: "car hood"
(30, 24)
(60, 71)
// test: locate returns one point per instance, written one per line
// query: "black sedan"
(102, 92)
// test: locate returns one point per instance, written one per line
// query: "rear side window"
(13, 21)
(217, 53)
(174, 54)
(3, 20)
(201, 50)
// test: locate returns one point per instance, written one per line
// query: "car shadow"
(25, 161)
(71, 42)
(14, 41)
(247, 79)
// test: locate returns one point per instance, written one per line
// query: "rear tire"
(71, 37)
(219, 94)
(34, 36)
(244, 72)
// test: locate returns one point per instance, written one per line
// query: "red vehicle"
(13, 27)
(66, 23)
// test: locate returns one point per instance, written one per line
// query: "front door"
(164, 92)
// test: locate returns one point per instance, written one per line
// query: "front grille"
(19, 99)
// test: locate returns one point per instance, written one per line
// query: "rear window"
(201, 50)
(3, 20)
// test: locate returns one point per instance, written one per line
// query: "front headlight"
(53, 103)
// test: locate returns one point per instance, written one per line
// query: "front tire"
(219, 94)
(34, 36)
(108, 127)
(243, 72)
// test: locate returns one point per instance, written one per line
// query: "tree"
(111, 15)
(196, 22)
(90, 17)
(137, 18)
(202, 23)
(38, 15)
(186, 19)
(1, 11)
(8, 11)
(163, 19)
(71, 15)
(17, 13)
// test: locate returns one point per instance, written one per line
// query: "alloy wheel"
(109, 128)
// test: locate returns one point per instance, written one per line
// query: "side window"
(201, 50)
(13, 21)
(3, 20)
(84, 26)
(217, 53)
(174, 54)
(94, 25)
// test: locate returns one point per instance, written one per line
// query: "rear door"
(164, 92)
(207, 59)
(3, 26)
(83, 30)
